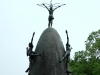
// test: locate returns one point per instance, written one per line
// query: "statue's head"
(51, 7)
(30, 45)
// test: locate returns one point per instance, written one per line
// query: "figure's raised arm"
(32, 37)
(40, 5)
(27, 51)
(67, 37)
(45, 6)
(58, 6)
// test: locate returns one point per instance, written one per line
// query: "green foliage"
(93, 43)
(87, 62)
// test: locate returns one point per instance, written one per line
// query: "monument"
(50, 9)
(31, 54)
(50, 57)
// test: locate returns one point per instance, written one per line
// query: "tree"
(93, 44)
(87, 62)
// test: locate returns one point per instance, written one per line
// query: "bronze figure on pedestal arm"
(31, 54)
(67, 54)
(51, 8)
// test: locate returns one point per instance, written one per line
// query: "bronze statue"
(67, 53)
(50, 10)
(31, 53)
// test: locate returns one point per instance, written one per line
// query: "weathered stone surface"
(52, 49)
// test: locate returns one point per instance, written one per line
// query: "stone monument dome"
(51, 49)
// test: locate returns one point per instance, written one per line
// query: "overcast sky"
(20, 18)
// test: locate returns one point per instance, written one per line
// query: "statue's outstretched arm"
(32, 37)
(45, 6)
(27, 51)
(67, 37)
(40, 5)
(58, 6)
